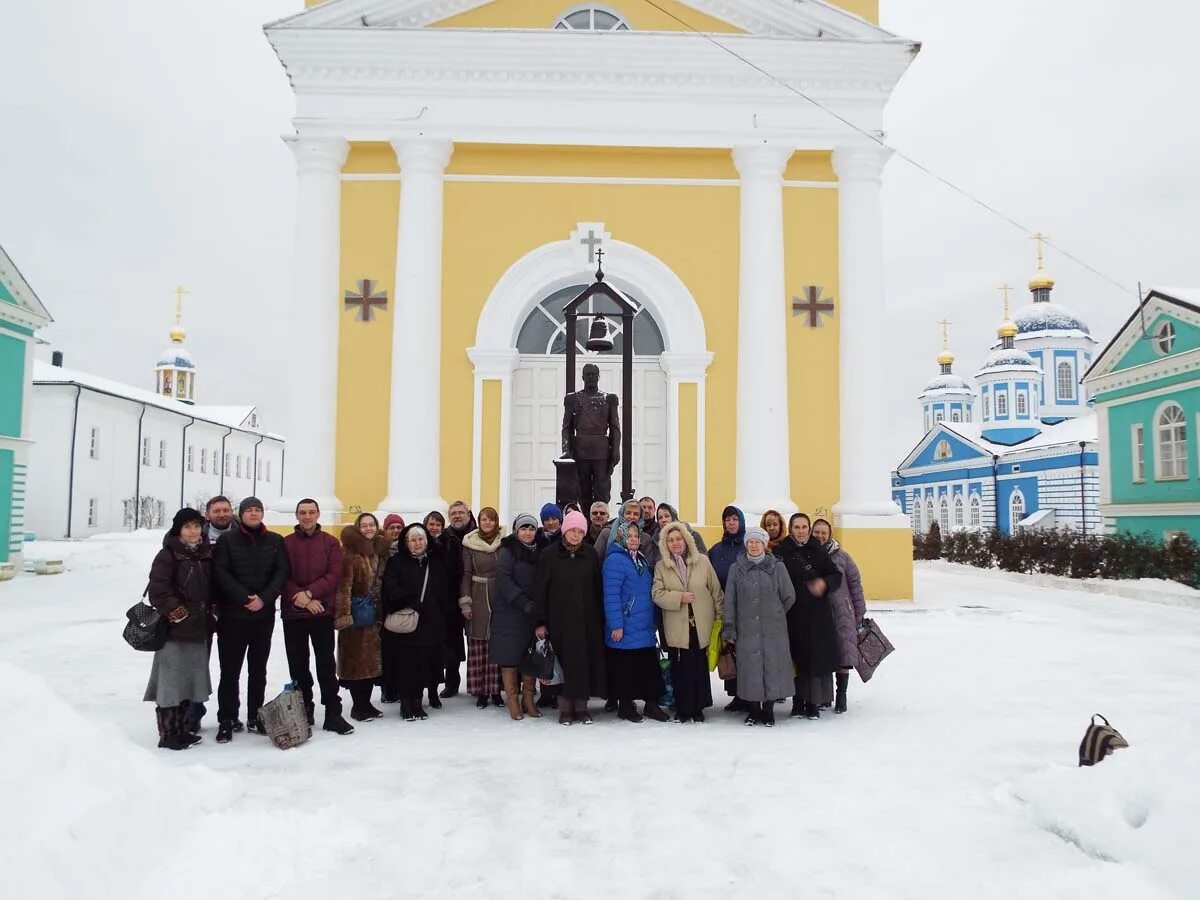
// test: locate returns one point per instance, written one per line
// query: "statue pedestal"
(566, 482)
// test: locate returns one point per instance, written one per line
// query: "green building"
(1146, 389)
(21, 315)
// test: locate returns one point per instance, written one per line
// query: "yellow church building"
(460, 163)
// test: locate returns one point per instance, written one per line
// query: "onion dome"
(1047, 316)
(1008, 358)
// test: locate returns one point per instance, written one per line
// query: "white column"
(763, 478)
(414, 442)
(866, 495)
(313, 324)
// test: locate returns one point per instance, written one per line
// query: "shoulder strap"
(424, 584)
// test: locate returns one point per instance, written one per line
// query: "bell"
(599, 341)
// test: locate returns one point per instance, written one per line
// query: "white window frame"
(1178, 463)
(145, 451)
(1137, 440)
(987, 406)
(94, 446)
(162, 454)
(967, 413)
(203, 460)
(956, 416)
(561, 24)
(238, 464)
(191, 458)
(268, 478)
(1064, 386)
(930, 517)
(914, 513)
(93, 515)
(944, 515)
(1002, 404)
(939, 416)
(227, 455)
(976, 511)
(1016, 500)
(1022, 404)
(1166, 333)
(958, 511)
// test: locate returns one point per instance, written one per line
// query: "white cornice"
(1145, 373)
(645, 89)
(1150, 509)
(1131, 333)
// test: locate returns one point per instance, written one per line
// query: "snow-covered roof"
(1006, 358)
(1048, 317)
(1187, 295)
(225, 416)
(1069, 431)
(949, 382)
(177, 357)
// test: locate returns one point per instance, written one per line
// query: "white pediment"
(810, 20)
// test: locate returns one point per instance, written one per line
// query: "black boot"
(418, 709)
(628, 711)
(497, 700)
(310, 710)
(812, 711)
(406, 710)
(737, 704)
(754, 716)
(768, 714)
(655, 712)
(481, 701)
(225, 732)
(453, 681)
(610, 705)
(843, 682)
(797, 708)
(335, 723)
(434, 702)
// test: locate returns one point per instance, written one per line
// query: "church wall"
(488, 225)
(12, 384)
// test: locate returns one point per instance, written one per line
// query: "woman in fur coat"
(365, 550)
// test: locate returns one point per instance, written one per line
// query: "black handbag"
(147, 627)
(539, 660)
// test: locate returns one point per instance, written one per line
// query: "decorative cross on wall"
(366, 299)
(591, 242)
(812, 305)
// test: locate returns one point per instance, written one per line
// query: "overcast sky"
(141, 150)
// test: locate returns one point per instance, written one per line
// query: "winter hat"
(754, 533)
(185, 515)
(249, 503)
(574, 520)
(393, 519)
(522, 520)
(552, 511)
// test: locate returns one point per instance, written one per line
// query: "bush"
(1066, 552)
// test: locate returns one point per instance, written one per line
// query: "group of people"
(402, 606)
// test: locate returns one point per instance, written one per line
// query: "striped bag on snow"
(1099, 741)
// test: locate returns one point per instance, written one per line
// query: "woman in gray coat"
(849, 608)
(758, 594)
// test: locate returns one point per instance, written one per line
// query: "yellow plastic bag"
(714, 645)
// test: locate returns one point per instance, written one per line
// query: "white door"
(537, 413)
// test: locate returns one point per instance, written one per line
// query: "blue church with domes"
(1029, 459)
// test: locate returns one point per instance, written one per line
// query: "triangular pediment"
(813, 19)
(942, 446)
(17, 297)
(1137, 342)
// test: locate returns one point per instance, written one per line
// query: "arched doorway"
(537, 399)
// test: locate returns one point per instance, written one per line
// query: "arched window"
(939, 416)
(1065, 381)
(1022, 404)
(927, 422)
(914, 513)
(958, 511)
(1016, 509)
(590, 18)
(944, 515)
(544, 332)
(967, 413)
(929, 516)
(1170, 442)
(987, 406)
(976, 511)
(1164, 338)
(956, 416)
(1001, 404)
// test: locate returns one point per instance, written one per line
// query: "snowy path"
(952, 773)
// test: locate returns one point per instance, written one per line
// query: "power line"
(900, 154)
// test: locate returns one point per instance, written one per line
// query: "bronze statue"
(592, 437)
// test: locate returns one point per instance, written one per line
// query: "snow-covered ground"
(954, 773)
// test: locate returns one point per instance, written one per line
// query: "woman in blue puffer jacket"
(629, 619)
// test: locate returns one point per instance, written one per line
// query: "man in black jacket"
(251, 568)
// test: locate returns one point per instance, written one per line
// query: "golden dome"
(1008, 329)
(1041, 280)
(178, 334)
(945, 358)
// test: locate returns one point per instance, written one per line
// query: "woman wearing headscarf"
(181, 588)
(475, 600)
(665, 515)
(772, 523)
(365, 551)
(810, 622)
(453, 652)
(758, 595)
(849, 608)
(687, 590)
(723, 555)
(415, 579)
(569, 607)
(512, 611)
(629, 627)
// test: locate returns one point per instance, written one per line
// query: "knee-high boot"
(508, 677)
(843, 682)
(528, 701)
